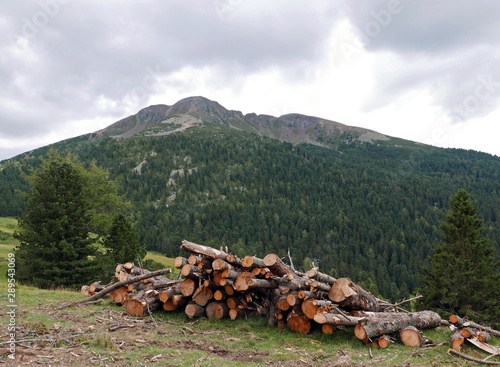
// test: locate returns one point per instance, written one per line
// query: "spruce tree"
(123, 241)
(463, 277)
(55, 245)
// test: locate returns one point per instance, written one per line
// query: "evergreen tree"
(123, 241)
(463, 277)
(55, 246)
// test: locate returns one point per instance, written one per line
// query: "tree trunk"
(351, 296)
(188, 286)
(375, 326)
(459, 322)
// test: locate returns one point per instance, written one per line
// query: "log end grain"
(411, 337)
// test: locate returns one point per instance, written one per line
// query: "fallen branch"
(477, 360)
(116, 286)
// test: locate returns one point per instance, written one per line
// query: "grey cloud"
(107, 48)
(447, 46)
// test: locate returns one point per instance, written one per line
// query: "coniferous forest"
(370, 212)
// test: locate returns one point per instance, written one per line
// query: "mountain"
(193, 111)
(352, 201)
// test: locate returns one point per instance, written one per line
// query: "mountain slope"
(368, 209)
(293, 128)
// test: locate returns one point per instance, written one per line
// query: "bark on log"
(276, 265)
(194, 310)
(210, 252)
(202, 295)
(315, 274)
(180, 261)
(219, 264)
(166, 293)
(336, 319)
(457, 340)
(143, 303)
(252, 262)
(351, 296)
(411, 337)
(115, 286)
(190, 271)
(459, 322)
(375, 326)
(384, 341)
(175, 302)
(217, 310)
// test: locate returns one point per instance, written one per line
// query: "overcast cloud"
(420, 70)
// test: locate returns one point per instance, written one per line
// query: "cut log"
(483, 336)
(327, 329)
(194, 260)
(384, 341)
(210, 252)
(190, 271)
(232, 302)
(298, 322)
(120, 295)
(175, 302)
(302, 294)
(252, 262)
(143, 303)
(219, 264)
(292, 298)
(220, 295)
(457, 340)
(315, 274)
(336, 319)
(180, 261)
(351, 296)
(194, 310)
(276, 265)
(117, 285)
(282, 304)
(217, 310)
(376, 326)
(459, 322)
(309, 308)
(411, 337)
(240, 284)
(202, 295)
(234, 313)
(229, 289)
(166, 293)
(85, 290)
(188, 286)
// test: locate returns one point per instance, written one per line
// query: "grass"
(77, 336)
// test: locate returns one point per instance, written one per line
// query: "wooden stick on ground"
(115, 286)
(464, 356)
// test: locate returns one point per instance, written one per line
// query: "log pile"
(476, 334)
(217, 284)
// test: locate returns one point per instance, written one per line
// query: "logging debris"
(217, 284)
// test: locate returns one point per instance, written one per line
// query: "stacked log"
(219, 285)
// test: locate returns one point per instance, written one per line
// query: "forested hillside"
(366, 211)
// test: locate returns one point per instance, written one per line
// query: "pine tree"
(463, 277)
(55, 245)
(123, 241)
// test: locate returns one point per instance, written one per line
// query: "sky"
(426, 71)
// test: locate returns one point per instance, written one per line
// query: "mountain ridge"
(295, 128)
